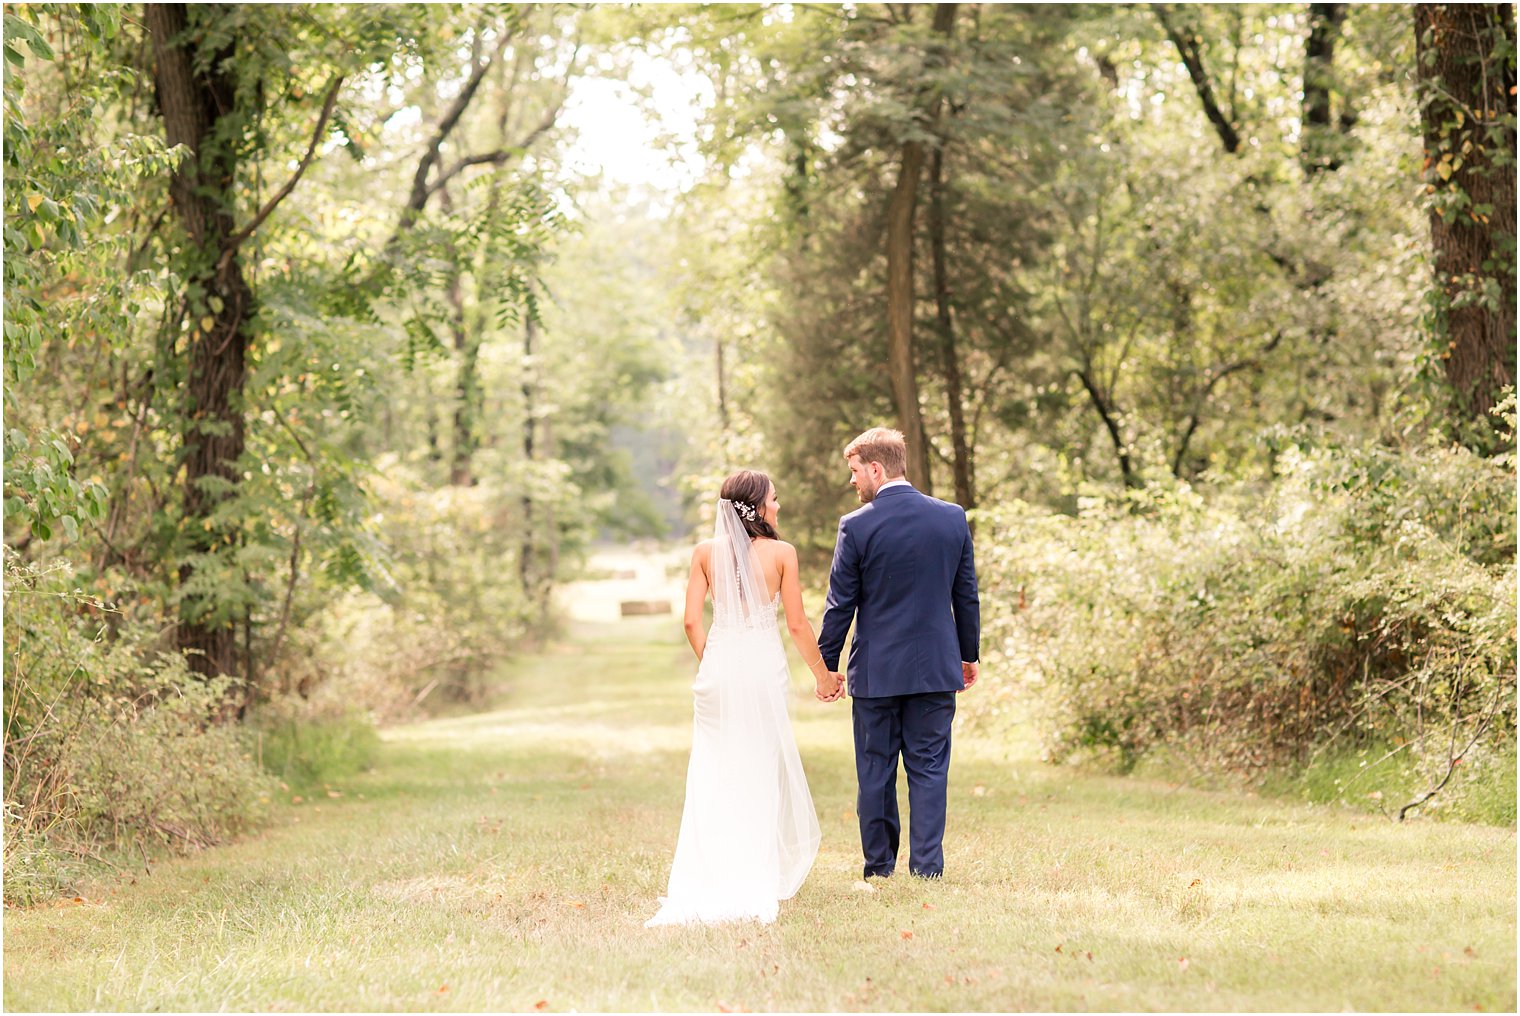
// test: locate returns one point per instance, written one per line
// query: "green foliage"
(35, 869)
(449, 604)
(159, 767)
(110, 743)
(64, 185)
(1367, 598)
(304, 751)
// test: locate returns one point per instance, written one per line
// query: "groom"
(904, 572)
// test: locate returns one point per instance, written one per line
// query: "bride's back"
(765, 553)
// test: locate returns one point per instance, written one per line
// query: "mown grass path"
(507, 861)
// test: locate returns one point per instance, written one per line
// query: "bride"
(748, 831)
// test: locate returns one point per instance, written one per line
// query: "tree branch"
(1192, 59)
(1216, 375)
(1106, 411)
(1456, 759)
(450, 120)
(497, 158)
(236, 240)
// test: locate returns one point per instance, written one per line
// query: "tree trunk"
(722, 388)
(527, 567)
(467, 392)
(197, 96)
(1319, 145)
(900, 360)
(961, 462)
(1465, 58)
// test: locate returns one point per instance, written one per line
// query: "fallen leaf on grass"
(443, 989)
(978, 791)
(1195, 883)
(335, 793)
(541, 1004)
(1470, 952)
(928, 906)
(862, 886)
(1058, 946)
(907, 935)
(1182, 963)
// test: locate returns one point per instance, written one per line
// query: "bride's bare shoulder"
(776, 550)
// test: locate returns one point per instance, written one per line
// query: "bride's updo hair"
(750, 487)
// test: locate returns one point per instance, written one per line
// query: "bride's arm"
(797, 623)
(696, 596)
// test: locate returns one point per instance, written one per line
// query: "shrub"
(35, 870)
(109, 742)
(160, 764)
(305, 750)
(1367, 598)
(451, 605)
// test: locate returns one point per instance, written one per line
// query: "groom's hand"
(830, 687)
(968, 674)
(839, 687)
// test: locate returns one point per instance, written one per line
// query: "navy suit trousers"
(917, 727)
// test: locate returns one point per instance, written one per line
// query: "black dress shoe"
(877, 874)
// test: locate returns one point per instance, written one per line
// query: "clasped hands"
(830, 687)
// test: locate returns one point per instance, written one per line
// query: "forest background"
(326, 361)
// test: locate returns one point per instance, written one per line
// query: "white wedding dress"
(748, 831)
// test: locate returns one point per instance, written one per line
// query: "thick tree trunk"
(1465, 56)
(961, 463)
(1319, 148)
(197, 97)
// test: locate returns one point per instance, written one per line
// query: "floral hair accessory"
(746, 510)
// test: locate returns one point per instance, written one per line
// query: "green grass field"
(508, 860)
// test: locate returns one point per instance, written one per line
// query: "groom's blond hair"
(884, 445)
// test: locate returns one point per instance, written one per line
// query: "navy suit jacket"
(905, 573)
